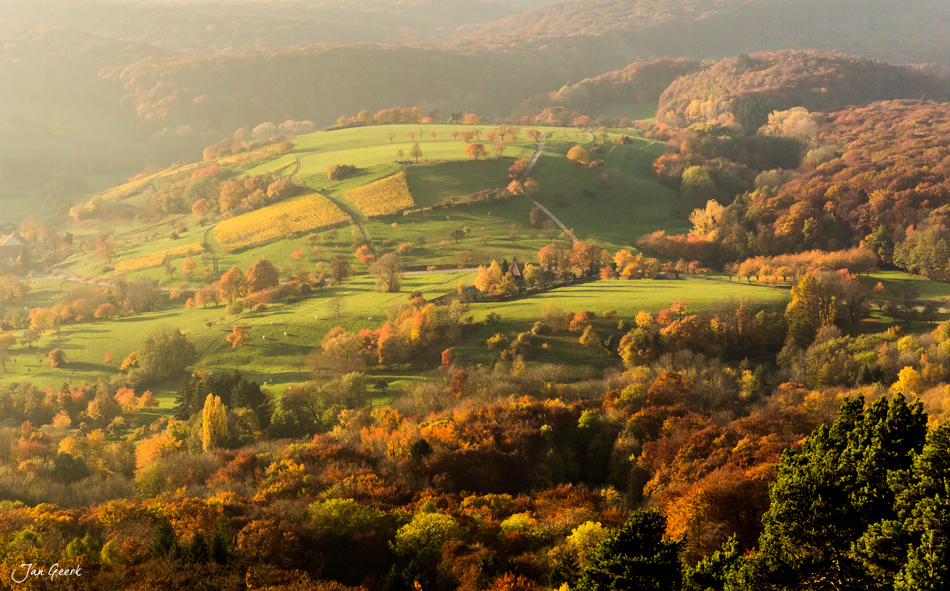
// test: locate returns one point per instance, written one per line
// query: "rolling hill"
(749, 87)
(640, 83)
(913, 31)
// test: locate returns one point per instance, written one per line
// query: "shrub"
(338, 172)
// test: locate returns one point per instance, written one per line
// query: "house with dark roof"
(12, 246)
(516, 269)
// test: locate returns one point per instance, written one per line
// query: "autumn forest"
(309, 295)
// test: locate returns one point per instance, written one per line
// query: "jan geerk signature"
(26, 571)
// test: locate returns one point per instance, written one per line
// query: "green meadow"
(613, 205)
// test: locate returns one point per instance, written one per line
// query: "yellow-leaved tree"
(214, 427)
(579, 155)
(813, 306)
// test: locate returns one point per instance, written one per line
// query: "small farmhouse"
(11, 247)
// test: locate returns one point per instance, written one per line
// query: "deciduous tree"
(57, 358)
(7, 341)
(579, 155)
(187, 268)
(388, 273)
(230, 194)
(340, 269)
(365, 254)
(813, 305)
(232, 285)
(240, 335)
(214, 424)
(476, 151)
(261, 275)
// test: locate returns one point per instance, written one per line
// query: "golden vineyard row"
(300, 214)
(157, 259)
(385, 196)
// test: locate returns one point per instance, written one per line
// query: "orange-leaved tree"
(364, 254)
(232, 285)
(240, 334)
(261, 275)
(476, 151)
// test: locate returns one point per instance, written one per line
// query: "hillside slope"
(640, 82)
(911, 31)
(749, 87)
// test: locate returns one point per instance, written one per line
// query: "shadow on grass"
(85, 366)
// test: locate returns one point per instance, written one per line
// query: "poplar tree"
(214, 429)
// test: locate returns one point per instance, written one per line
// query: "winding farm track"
(357, 220)
(534, 160)
(296, 169)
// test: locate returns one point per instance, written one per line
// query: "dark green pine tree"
(635, 558)
(923, 522)
(396, 580)
(713, 572)
(165, 543)
(218, 548)
(197, 550)
(565, 570)
(420, 450)
(830, 493)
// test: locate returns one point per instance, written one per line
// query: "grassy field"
(275, 357)
(495, 231)
(615, 213)
(625, 297)
(895, 281)
(431, 184)
(285, 333)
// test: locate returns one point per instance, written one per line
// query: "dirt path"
(296, 169)
(567, 232)
(534, 160)
(357, 220)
